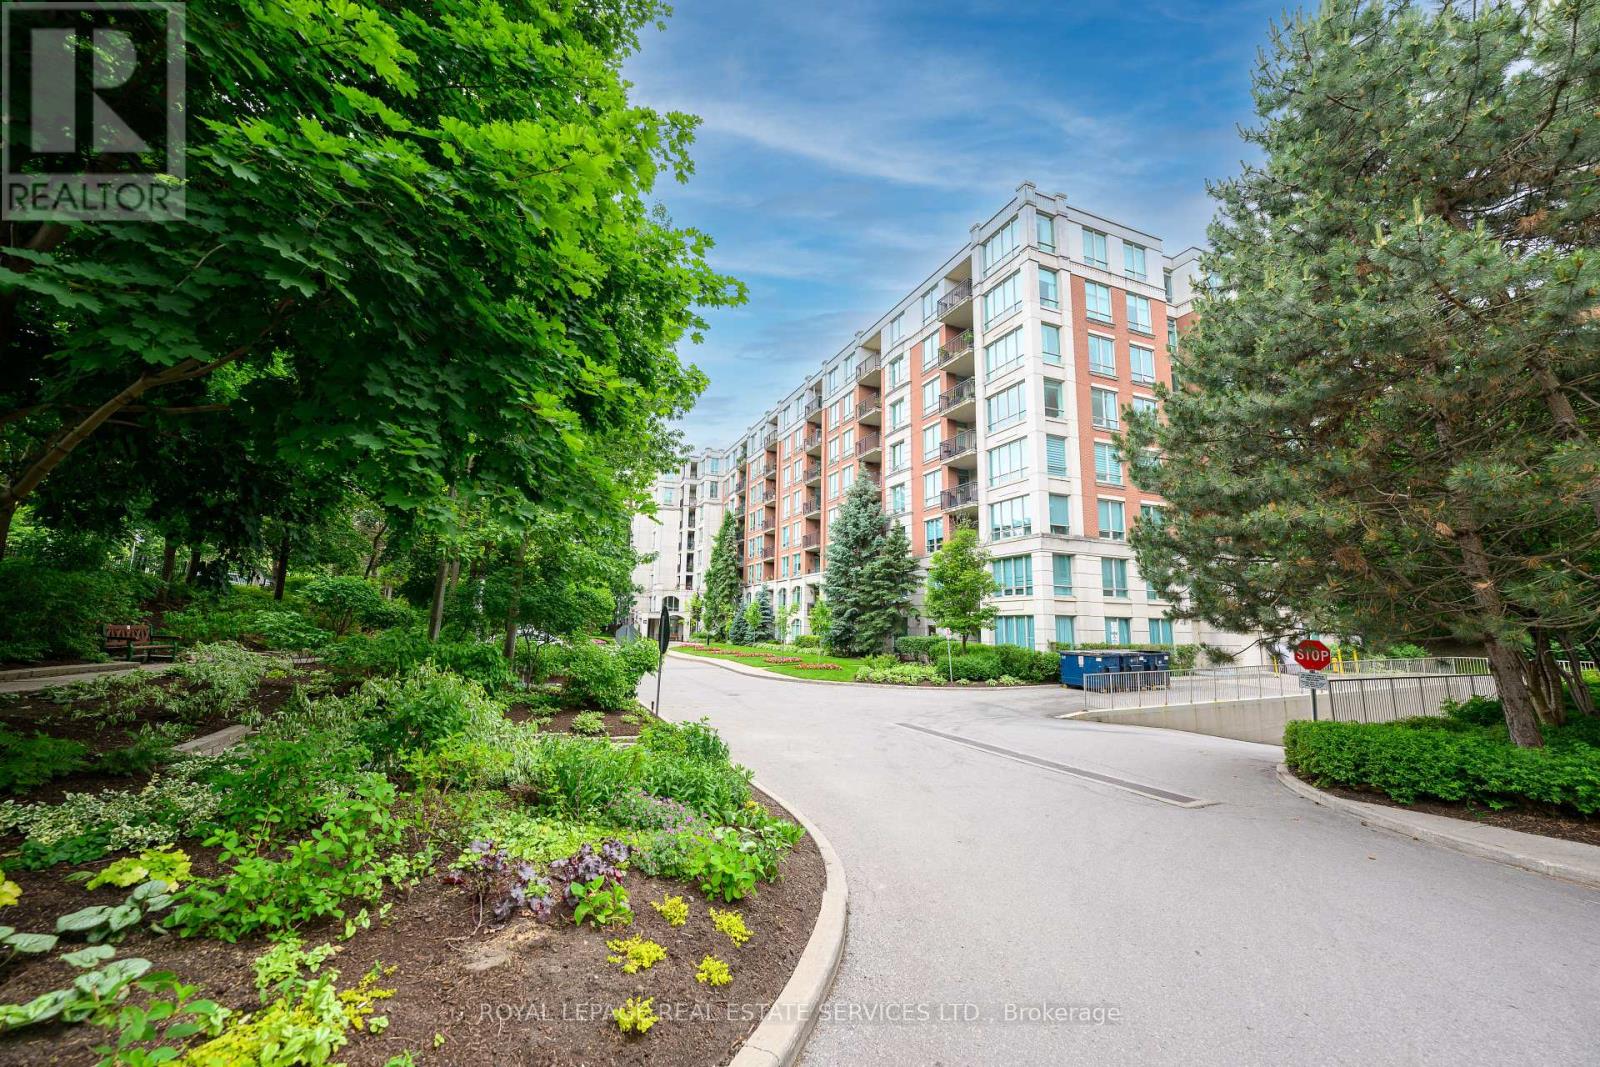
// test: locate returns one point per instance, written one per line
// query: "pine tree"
(761, 625)
(1386, 425)
(871, 574)
(722, 579)
(739, 628)
(960, 586)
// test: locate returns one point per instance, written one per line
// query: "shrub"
(474, 660)
(904, 674)
(85, 826)
(713, 971)
(673, 909)
(288, 630)
(1024, 664)
(604, 677)
(635, 954)
(807, 641)
(730, 924)
(27, 762)
(590, 723)
(216, 680)
(419, 711)
(978, 665)
(1407, 760)
(46, 612)
(389, 652)
(1475, 711)
(341, 601)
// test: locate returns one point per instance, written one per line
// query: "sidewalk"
(68, 676)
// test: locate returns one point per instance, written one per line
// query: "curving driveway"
(1009, 908)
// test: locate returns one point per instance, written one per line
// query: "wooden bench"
(134, 641)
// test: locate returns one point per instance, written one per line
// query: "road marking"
(1166, 796)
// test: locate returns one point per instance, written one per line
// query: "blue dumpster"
(1076, 667)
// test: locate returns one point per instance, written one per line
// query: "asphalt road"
(996, 904)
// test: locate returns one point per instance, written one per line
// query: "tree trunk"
(377, 548)
(516, 601)
(280, 567)
(1506, 665)
(1548, 699)
(169, 561)
(1582, 698)
(193, 570)
(1561, 411)
(436, 611)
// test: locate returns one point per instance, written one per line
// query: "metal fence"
(1385, 699)
(1204, 685)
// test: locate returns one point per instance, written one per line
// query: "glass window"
(1054, 405)
(930, 442)
(930, 396)
(1111, 521)
(930, 303)
(1145, 405)
(930, 350)
(1139, 313)
(848, 440)
(897, 326)
(667, 494)
(899, 456)
(1172, 335)
(1000, 245)
(1161, 632)
(1007, 407)
(897, 371)
(1045, 229)
(833, 485)
(899, 502)
(1010, 518)
(1133, 260)
(1003, 353)
(1061, 574)
(897, 413)
(1166, 281)
(1013, 576)
(1066, 631)
(1008, 463)
(1103, 409)
(1049, 294)
(1055, 456)
(930, 488)
(1107, 468)
(1002, 298)
(933, 534)
(1119, 631)
(1094, 247)
(1114, 578)
(1050, 343)
(1142, 364)
(847, 476)
(1097, 301)
(1060, 513)
(1102, 355)
(1151, 513)
(1014, 630)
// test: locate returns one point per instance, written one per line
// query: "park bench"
(134, 641)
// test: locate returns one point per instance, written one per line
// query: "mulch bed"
(561, 720)
(537, 994)
(1546, 822)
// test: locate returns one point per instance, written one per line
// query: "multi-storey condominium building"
(988, 396)
(676, 541)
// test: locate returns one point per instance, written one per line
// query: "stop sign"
(1312, 654)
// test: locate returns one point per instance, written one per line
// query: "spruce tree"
(722, 579)
(761, 625)
(960, 586)
(871, 574)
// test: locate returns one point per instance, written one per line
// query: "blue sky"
(847, 147)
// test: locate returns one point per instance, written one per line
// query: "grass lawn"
(760, 657)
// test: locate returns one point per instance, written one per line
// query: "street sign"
(1312, 654)
(1313, 680)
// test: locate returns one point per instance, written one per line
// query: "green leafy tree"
(697, 613)
(960, 586)
(781, 619)
(821, 617)
(871, 574)
(722, 577)
(1387, 424)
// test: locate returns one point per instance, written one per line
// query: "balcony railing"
(962, 392)
(958, 346)
(959, 294)
(813, 473)
(868, 408)
(962, 443)
(870, 443)
(813, 504)
(868, 366)
(961, 496)
(811, 541)
(812, 440)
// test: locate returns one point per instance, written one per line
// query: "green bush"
(27, 762)
(342, 601)
(475, 661)
(904, 674)
(1027, 665)
(420, 710)
(977, 665)
(288, 631)
(47, 613)
(389, 652)
(603, 677)
(805, 641)
(1412, 759)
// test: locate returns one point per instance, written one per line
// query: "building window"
(1103, 409)
(930, 351)
(833, 514)
(1054, 405)
(667, 494)
(1050, 343)
(1114, 578)
(1172, 337)
(899, 457)
(930, 442)
(1003, 353)
(930, 303)
(1066, 631)
(898, 503)
(711, 489)
(933, 534)
(1097, 301)
(897, 413)
(1060, 513)
(1002, 298)
(1007, 407)
(1119, 631)
(1139, 313)
(1013, 576)
(897, 327)
(1014, 630)
(1061, 574)
(833, 485)
(930, 489)
(1133, 260)
(848, 441)
(847, 476)
(1000, 245)
(1166, 281)
(1107, 468)
(930, 396)
(1049, 294)
(1008, 463)
(1010, 518)
(1151, 513)
(1142, 364)
(1144, 405)
(1111, 521)
(1045, 231)
(1094, 248)
(1102, 355)
(1055, 456)
(897, 371)
(1161, 632)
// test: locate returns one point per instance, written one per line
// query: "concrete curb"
(21, 674)
(734, 665)
(1555, 857)
(215, 743)
(783, 1032)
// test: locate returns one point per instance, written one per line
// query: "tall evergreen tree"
(1388, 424)
(722, 579)
(961, 586)
(871, 574)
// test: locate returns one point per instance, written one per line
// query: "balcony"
(958, 296)
(813, 474)
(963, 497)
(813, 504)
(956, 353)
(870, 448)
(813, 407)
(870, 411)
(811, 542)
(812, 443)
(959, 400)
(961, 447)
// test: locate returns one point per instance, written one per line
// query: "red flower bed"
(816, 666)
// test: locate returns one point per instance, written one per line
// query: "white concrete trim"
(733, 665)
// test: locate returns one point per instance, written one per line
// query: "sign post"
(1314, 656)
(663, 632)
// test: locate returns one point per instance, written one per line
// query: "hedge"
(1450, 759)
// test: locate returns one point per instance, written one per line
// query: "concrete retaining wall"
(1258, 719)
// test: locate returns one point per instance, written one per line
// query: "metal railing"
(1377, 698)
(1206, 685)
(957, 295)
(961, 496)
(962, 443)
(962, 392)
